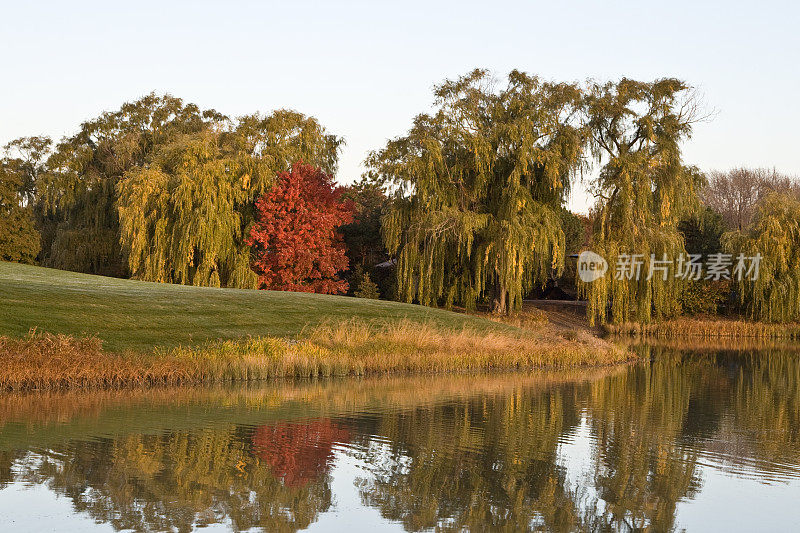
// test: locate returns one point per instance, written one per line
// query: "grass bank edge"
(351, 348)
(706, 328)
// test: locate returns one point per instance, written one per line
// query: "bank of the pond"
(46, 361)
(706, 328)
(93, 331)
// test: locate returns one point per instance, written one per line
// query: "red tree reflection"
(298, 453)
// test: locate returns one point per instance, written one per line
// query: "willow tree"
(184, 215)
(643, 190)
(77, 196)
(19, 240)
(478, 185)
(22, 164)
(27, 158)
(773, 292)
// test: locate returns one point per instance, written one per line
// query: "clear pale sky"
(365, 69)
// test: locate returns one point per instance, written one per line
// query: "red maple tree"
(295, 243)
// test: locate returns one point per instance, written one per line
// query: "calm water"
(701, 440)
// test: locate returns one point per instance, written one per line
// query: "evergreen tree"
(364, 286)
(702, 236)
(362, 237)
(478, 185)
(702, 232)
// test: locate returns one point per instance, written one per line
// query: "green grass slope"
(139, 315)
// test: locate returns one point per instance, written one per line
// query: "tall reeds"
(45, 361)
(700, 328)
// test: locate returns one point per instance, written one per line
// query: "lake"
(706, 439)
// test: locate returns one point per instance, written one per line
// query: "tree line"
(468, 208)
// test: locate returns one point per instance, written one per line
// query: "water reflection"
(486, 461)
(613, 449)
(298, 453)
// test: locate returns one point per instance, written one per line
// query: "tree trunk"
(499, 299)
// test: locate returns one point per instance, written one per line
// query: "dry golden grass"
(408, 346)
(45, 361)
(707, 328)
(714, 344)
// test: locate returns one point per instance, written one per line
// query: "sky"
(365, 69)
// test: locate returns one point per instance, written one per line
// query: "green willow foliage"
(644, 190)
(477, 464)
(638, 416)
(478, 185)
(19, 240)
(184, 216)
(162, 190)
(77, 195)
(774, 296)
(22, 163)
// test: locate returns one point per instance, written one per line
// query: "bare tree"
(735, 193)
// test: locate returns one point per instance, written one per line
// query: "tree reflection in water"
(493, 459)
(493, 462)
(185, 480)
(641, 468)
(299, 453)
(487, 463)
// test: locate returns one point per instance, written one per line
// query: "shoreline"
(44, 361)
(63, 330)
(705, 328)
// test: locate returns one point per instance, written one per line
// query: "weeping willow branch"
(184, 216)
(479, 185)
(643, 190)
(774, 234)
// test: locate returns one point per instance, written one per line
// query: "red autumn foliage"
(298, 453)
(295, 243)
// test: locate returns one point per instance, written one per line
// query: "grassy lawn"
(137, 315)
